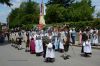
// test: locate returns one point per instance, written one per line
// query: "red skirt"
(32, 46)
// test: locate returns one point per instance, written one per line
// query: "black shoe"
(66, 57)
(19, 48)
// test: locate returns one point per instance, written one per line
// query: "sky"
(5, 10)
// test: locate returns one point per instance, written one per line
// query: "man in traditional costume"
(66, 42)
(45, 40)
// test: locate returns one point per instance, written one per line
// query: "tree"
(64, 3)
(27, 13)
(55, 14)
(98, 14)
(81, 11)
(76, 11)
(29, 0)
(7, 2)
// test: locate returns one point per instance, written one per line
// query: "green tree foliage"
(55, 13)
(98, 14)
(76, 11)
(64, 3)
(27, 13)
(7, 2)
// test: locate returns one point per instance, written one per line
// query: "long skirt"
(80, 39)
(56, 43)
(38, 47)
(61, 46)
(91, 40)
(50, 53)
(95, 40)
(32, 47)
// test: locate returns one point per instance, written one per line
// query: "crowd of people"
(46, 42)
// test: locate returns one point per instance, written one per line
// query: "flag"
(41, 18)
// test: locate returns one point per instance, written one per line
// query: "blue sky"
(5, 10)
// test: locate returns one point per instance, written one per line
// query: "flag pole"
(41, 18)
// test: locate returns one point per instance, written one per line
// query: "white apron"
(50, 51)
(61, 45)
(38, 46)
(87, 47)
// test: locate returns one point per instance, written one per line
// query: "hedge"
(79, 25)
(76, 25)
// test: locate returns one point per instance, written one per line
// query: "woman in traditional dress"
(87, 48)
(38, 44)
(91, 36)
(80, 37)
(56, 41)
(11, 38)
(95, 37)
(73, 36)
(84, 38)
(61, 43)
(50, 55)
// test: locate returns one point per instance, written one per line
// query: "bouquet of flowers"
(46, 39)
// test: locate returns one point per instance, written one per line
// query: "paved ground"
(10, 56)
